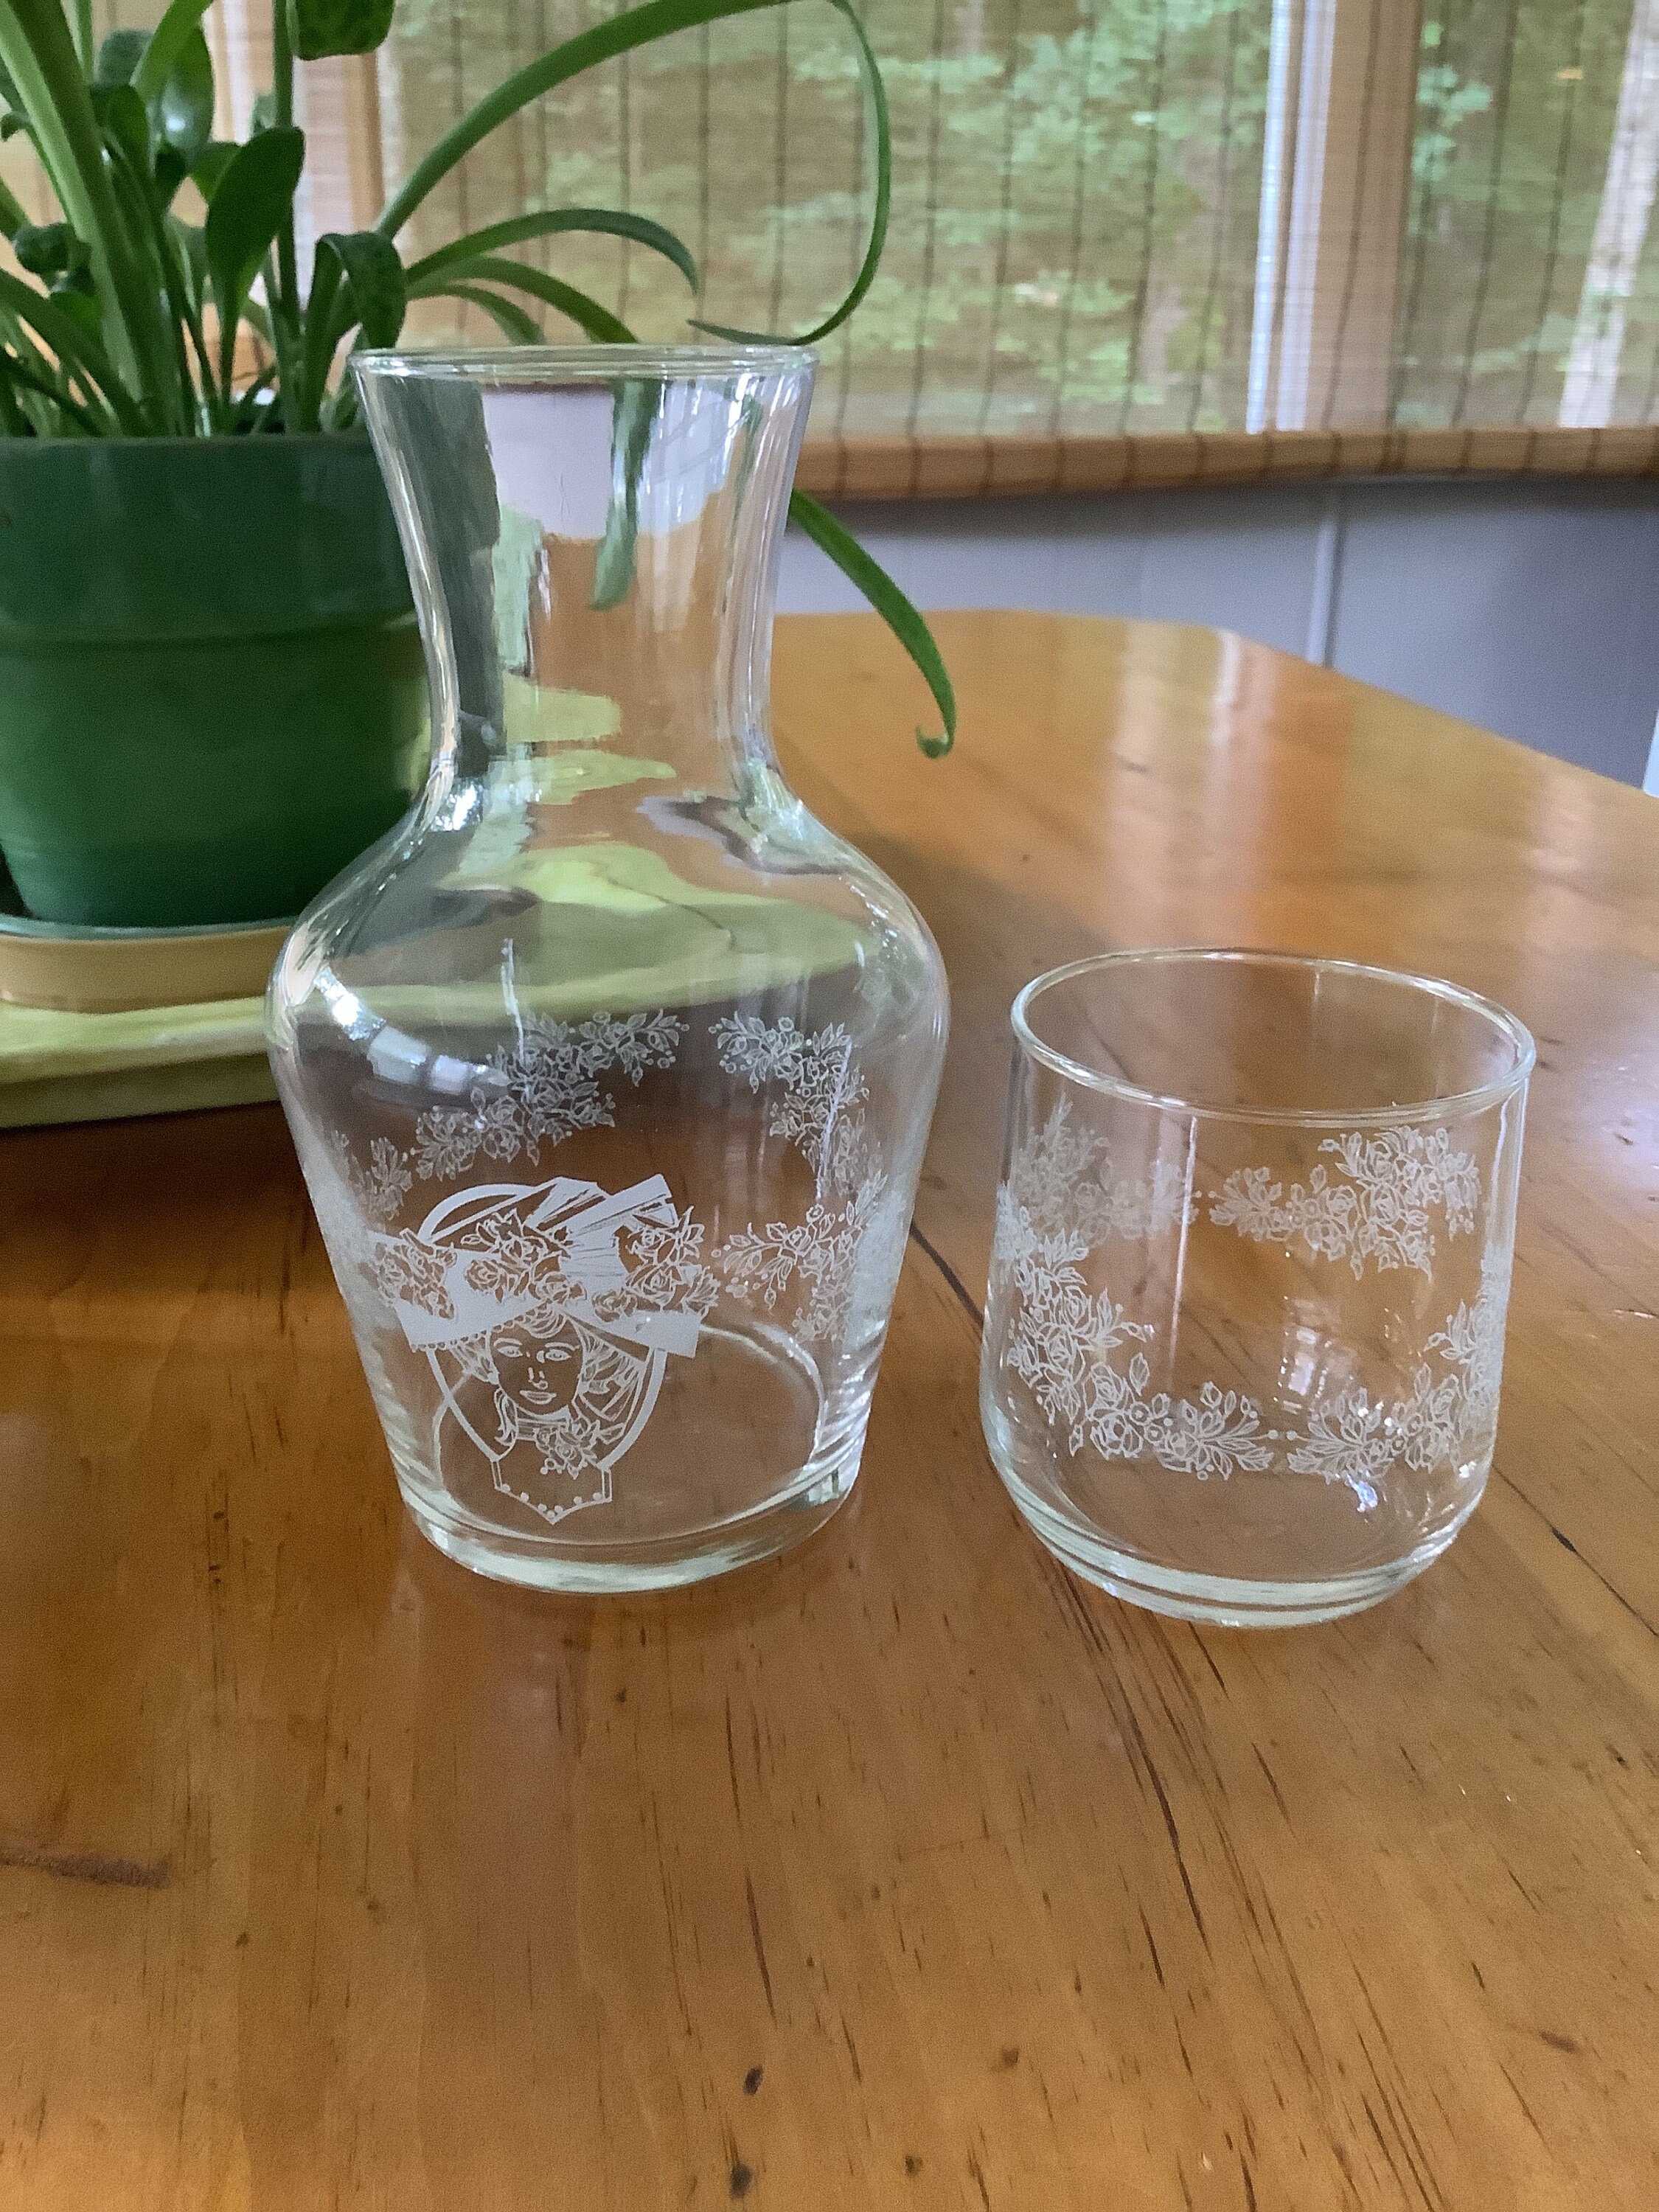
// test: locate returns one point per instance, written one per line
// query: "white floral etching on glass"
(1062, 1178)
(1078, 1352)
(816, 1257)
(543, 1088)
(1373, 1206)
(821, 1094)
(381, 1187)
(820, 1084)
(1063, 1339)
(548, 1313)
(1355, 1439)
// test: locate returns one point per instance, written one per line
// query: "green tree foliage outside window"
(1077, 186)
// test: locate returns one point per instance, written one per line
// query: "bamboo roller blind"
(1134, 242)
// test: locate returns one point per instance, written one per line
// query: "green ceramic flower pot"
(212, 695)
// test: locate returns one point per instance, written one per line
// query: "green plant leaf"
(13, 213)
(595, 321)
(191, 240)
(340, 409)
(258, 321)
(255, 402)
(117, 58)
(249, 204)
(613, 223)
(17, 420)
(182, 114)
(375, 280)
(14, 372)
(357, 278)
(509, 319)
(38, 51)
(326, 321)
(121, 114)
(79, 300)
(42, 388)
(640, 26)
(135, 188)
(48, 249)
(180, 107)
(186, 244)
(170, 171)
(634, 409)
(167, 42)
(633, 28)
(210, 164)
(907, 625)
(319, 27)
(77, 351)
(869, 68)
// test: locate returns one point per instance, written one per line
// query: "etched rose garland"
(1372, 1207)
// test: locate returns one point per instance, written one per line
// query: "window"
(1109, 216)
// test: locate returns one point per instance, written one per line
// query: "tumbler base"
(1226, 1601)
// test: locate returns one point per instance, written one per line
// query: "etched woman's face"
(539, 1373)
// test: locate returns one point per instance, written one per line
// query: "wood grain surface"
(904, 1871)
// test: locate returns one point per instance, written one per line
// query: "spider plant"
(126, 319)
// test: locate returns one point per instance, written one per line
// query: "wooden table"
(905, 1871)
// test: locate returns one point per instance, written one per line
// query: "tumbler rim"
(534, 367)
(1445, 1107)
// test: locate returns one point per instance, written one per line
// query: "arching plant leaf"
(870, 69)
(595, 321)
(634, 409)
(509, 319)
(907, 625)
(615, 222)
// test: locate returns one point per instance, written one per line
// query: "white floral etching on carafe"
(817, 1108)
(1374, 1206)
(543, 1088)
(548, 1313)
(1067, 1344)
(381, 1187)
(1355, 1439)
(820, 1086)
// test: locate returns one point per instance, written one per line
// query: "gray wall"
(1531, 608)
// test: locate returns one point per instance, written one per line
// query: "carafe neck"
(593, 538)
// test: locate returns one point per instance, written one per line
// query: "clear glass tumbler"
(1248, 1290)
(609, 1069)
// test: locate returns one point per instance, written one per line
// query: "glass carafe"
(610, 1068)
